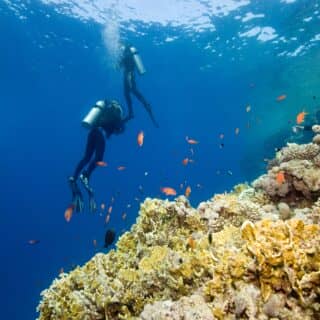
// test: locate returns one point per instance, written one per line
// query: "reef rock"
(253, 253)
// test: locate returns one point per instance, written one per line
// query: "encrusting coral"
(249, 254)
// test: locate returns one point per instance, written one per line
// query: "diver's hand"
(297, 129)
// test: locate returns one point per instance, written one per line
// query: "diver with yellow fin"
(129, 62)
(103, 120)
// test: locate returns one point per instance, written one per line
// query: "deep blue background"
(48, 85)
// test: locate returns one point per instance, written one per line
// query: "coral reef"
(252, 253)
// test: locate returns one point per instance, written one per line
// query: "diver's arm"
(307, 128)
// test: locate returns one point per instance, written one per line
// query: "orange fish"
(191, 243)
(280, 177)
(109, 209)
(121, 168)
(187, 192)
(236, 131)
(33, 241)
(94, 242)
(281, 97)
(248, 108)
(101, 164)
(123, 216)
(103, 206)
(107, 219)
(168, 191)
(191, 141)
(300, 117)
(185, 161)
(140, 138)
(68, 213)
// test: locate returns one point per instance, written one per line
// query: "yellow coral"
(152, 262)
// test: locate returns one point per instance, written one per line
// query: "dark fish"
(109, 238)
(33, 241)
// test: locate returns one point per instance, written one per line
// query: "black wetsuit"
(96, 145)
(129, 82)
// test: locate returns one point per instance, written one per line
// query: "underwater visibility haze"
(228, 81)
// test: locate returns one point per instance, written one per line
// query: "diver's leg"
(146, 104)
(77, 198)
(99, 147)
(127, 89)
(87, 155)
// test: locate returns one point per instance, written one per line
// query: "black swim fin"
(77, 198)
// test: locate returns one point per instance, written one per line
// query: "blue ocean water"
(206, 61)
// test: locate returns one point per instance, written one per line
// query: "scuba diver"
(103, 120)
(304, 134)
(130, 61)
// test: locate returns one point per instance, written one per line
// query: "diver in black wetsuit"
(303, 133)
(130, 61)
(104, 119)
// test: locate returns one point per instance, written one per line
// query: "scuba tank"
(92, 118)
(137, 60)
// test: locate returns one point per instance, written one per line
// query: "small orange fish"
(280, 177)
(101, 164)
(123, 216)
(300, 117)
(191, 243)
(281, 97)
(94, 242)
(103, 206)
(140, 138)
(109, 209)
(191, 141)
(168, 191)
(68, 213)
(187, 192)
(236, 131)
(121, 168)
(33, 241)
(248, 108)
(185, 161)
(107, 219)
